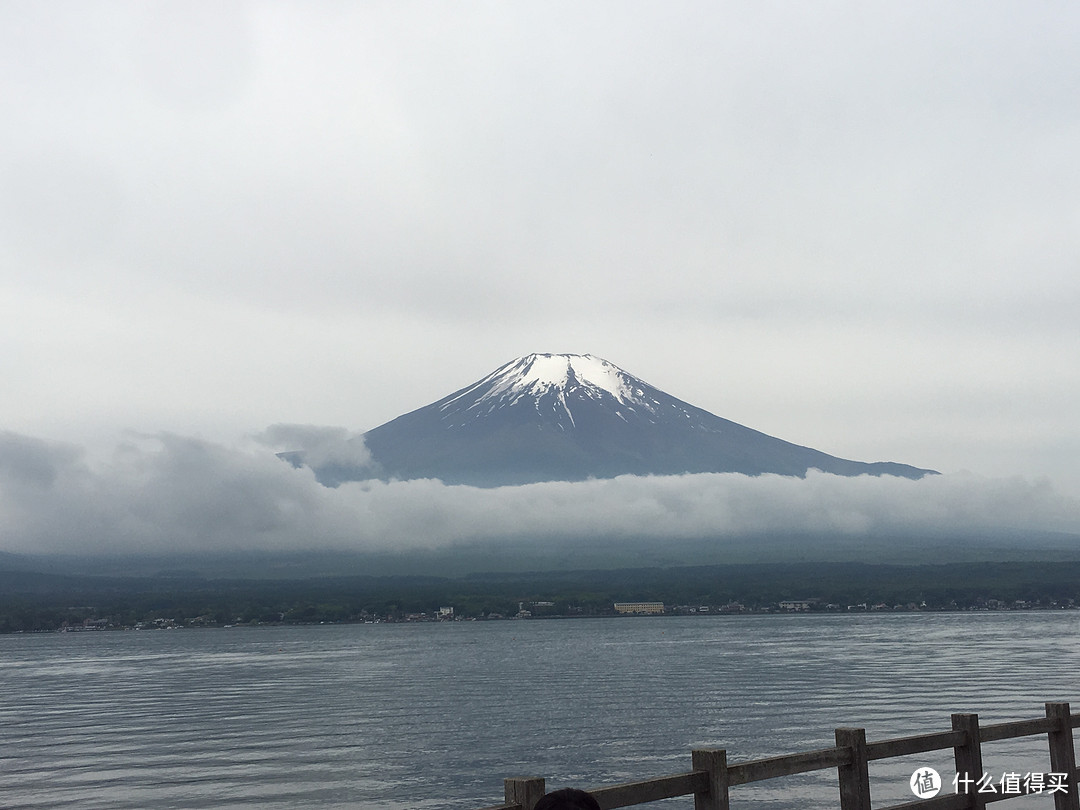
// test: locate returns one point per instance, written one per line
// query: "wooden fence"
(711, 778)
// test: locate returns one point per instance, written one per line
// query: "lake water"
(432, 716)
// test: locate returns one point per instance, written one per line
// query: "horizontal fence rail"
(711, 777)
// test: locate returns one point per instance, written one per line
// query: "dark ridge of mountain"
(568, 417)
(177, 569)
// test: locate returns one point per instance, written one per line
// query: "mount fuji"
(569, 417)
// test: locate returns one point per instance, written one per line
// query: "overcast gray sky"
(854, 226)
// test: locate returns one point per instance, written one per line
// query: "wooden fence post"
(968, 758)
(1062, 755)
(713, 760)
(854, 776)
(525, 791)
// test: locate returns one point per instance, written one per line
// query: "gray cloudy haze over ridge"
(853, 227)
(170, 493)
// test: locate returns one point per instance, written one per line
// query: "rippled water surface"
(435, 715)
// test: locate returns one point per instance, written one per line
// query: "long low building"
(639, 607)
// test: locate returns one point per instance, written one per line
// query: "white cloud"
(168, 493)
(320, 446)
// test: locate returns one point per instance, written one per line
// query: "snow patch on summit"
(535, 374)
(559, 382)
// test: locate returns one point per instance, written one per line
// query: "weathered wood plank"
(943, 801)
(524, 791)
(758, 769)
(650, 790)
(918, 744)
(1062, 755)
(854, 776)
(968, 756)
(713, 762)
(1018, 728)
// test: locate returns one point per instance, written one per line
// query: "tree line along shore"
(43, 602)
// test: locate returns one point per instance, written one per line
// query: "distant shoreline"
(44, 602)
(602, 616)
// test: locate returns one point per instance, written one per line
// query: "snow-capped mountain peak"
(568, 417)
(537, 375)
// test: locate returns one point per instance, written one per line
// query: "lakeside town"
(545, 609)
(46, 603)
